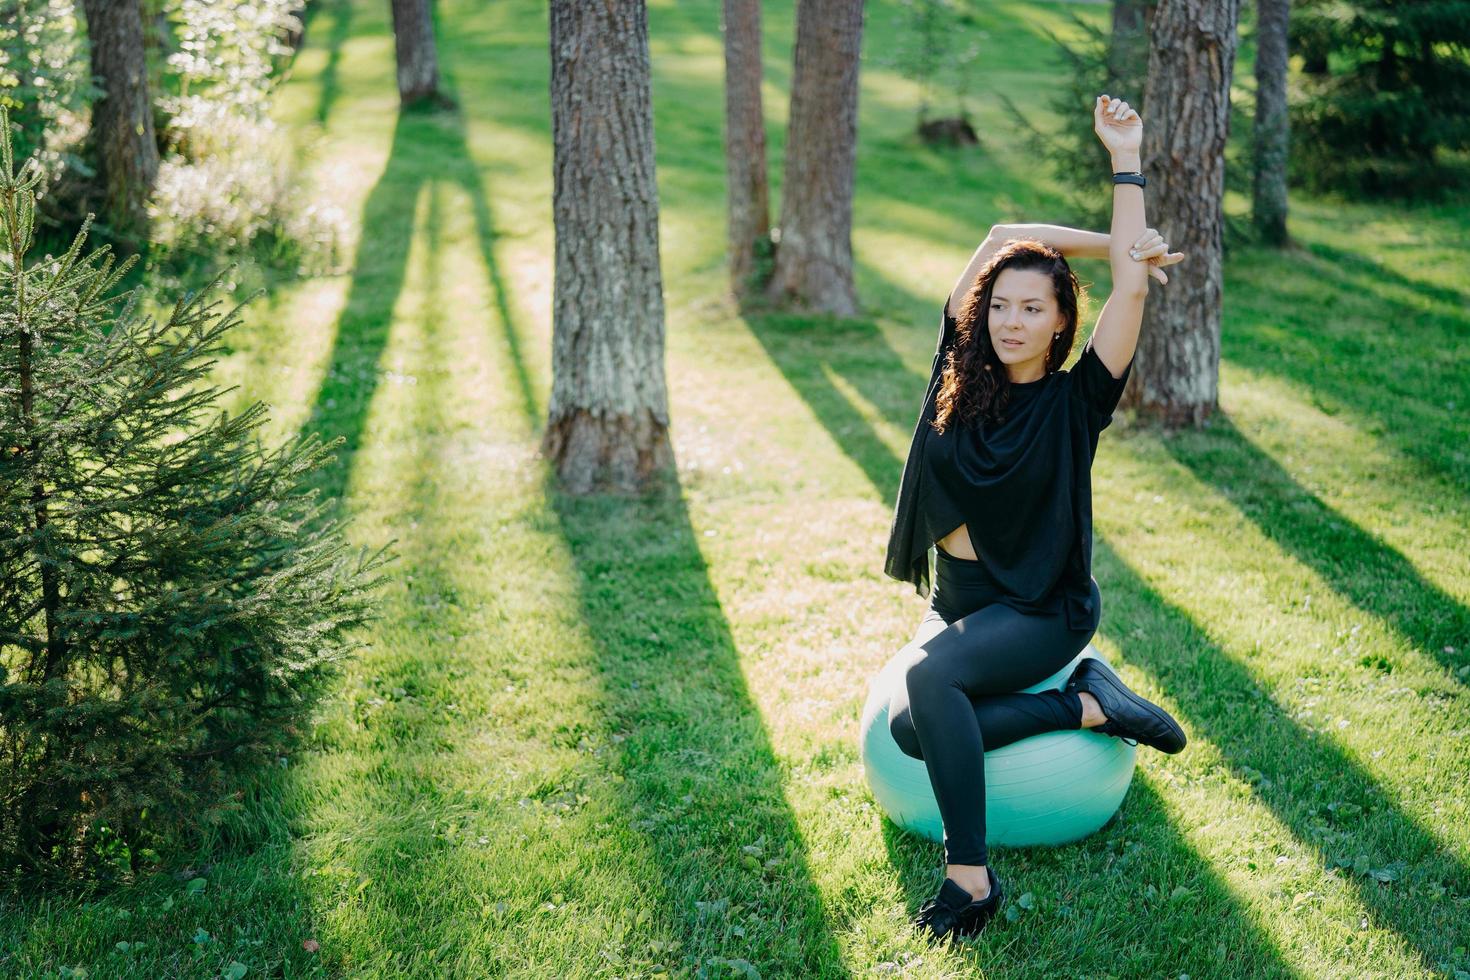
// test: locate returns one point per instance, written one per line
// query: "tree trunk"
(122, 120)
(1175, 378)
(608, 417)
(1128, 43)
(814, 251)
(418, 58)
(748, 193)
(1271, 135)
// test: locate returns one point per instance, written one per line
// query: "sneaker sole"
(1148, 707)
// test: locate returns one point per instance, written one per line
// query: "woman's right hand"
(1151, 248)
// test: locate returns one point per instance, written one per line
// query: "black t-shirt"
(1023, 486)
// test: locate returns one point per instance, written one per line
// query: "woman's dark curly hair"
(974, 383)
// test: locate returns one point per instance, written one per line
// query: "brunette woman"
(997, 480)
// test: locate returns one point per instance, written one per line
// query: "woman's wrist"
(1126, 163)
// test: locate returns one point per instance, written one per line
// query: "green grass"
(609, 737)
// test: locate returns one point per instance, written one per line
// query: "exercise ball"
(1052, 788)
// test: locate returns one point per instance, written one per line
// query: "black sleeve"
(1094, 383)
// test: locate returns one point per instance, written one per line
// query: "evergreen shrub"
(173, 594)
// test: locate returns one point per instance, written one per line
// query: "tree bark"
(1272, 139)
(608, 417)
(1175, 378)
(418, 57)
(814, 250)
(122, 119)
(748, 194)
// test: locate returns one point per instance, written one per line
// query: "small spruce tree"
(172, 594)
(1384, 104)
(936, 46)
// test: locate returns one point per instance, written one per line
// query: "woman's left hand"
(1151, 248)
(1117, 125)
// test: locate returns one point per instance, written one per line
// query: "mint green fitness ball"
(1048, 789)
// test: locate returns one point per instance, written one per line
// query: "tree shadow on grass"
(1105, 905)
(428, 145)
(700, 780)
(1375, 275)
(340, 12)
(694, 740)
(1373, 576)
(361, 332)
(810, 351)
(423, 811)
(1399, 370)
(1295, 771)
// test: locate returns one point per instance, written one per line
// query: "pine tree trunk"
(608, 418)
(1128, 43)
(748, 199)
(418, 58)
(814, 254)
(122, 119)
(1175, 378)
(1271, 134)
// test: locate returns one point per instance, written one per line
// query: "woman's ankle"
(973, 878)
(1092, 713)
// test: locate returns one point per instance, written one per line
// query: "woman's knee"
(901, 726)
(924, 676)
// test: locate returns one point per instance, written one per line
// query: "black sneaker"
(954, 913)
(1130, 717)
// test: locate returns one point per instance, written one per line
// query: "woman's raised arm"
(993, 241)
(1071, 242)
(1074, 243)
(1116, 336)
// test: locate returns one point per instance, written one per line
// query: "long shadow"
(674, 687)
(1371, 274)
(855, 350)
(383, 832)
(412, 773)
(1372, 575)
(1136, 860)
(463, 170)
(353, 367)
(1302, 768)
(674, 690)
(1395, 368)
(340, 12)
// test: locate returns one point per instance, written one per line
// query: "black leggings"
(968, 657)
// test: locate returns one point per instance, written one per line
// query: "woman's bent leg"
(966, 676)
(1003, 718)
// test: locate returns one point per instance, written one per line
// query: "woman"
(998, 480)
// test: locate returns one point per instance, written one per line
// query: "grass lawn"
(619, 737)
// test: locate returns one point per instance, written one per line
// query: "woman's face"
(1023, 318)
